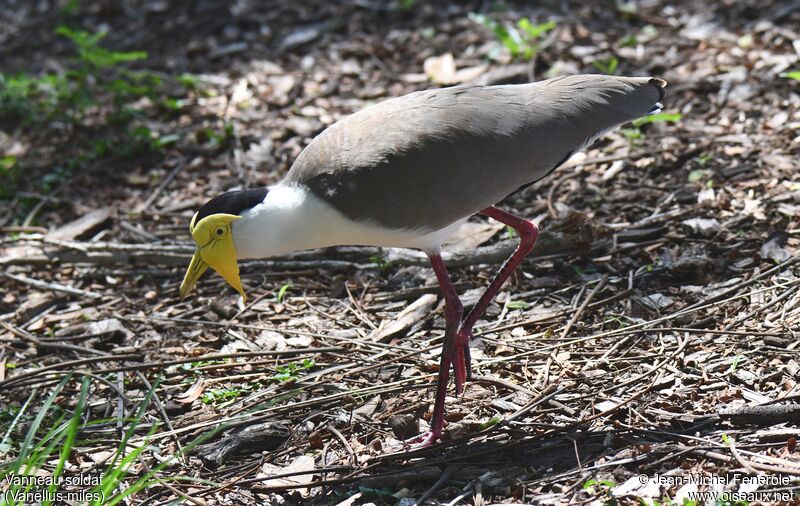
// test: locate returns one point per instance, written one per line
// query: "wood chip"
(84, 227)
(418, 310)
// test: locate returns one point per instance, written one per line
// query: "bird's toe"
(423, 440)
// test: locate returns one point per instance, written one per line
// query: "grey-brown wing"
(428, 159)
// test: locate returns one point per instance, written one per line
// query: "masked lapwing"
(408, 172)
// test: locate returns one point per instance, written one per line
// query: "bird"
(408, 172)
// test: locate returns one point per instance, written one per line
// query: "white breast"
(292, 218)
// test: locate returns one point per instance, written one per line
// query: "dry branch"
(262, 437)
(56, 287)
(761, 415)
(42, 251)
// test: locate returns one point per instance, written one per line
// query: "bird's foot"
(423, 440)
(427, 438)
(462, 361)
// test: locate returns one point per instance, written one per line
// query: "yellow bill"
(215, 249)
(196, 269)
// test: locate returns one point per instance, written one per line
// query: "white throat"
(292, 218)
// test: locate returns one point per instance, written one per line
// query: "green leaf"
(93, 54)
(735, 363)
(520, 39)
(612, 65)
(511, 39)
(166, 140)
(100, 57)
(379, 261)
(289, 372)
(173, 104)
(702, 160)
(661, 117)
(220, 394)
(500, 32)
(189, 81)
(26, 447)
(7, 162)
(628, 41)
(591, 483)
(696, 175)
(282, 292)
(631, 133)
(535, 31)
(608, 66)
(72, 432)
(79, 37)
(794, 74)
(517, 304)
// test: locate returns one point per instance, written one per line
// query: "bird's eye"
(220, 231)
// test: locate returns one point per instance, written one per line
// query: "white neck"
(276, 226)
(292, 218)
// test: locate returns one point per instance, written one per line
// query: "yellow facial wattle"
(215, 249)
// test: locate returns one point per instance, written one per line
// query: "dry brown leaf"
(301, 463)
(193, 393)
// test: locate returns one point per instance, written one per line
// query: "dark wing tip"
(660, 84)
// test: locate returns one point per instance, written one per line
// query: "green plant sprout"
(607, 66)
(522, 40)
(290, 371)
(635, 133)
(662, 117)
(282, 292)
(379, 261)
(600, 487)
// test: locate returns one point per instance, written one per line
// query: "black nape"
(233, 202)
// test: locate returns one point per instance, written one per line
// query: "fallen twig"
(761, 415)
(51, 286)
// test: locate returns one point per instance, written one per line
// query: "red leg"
(453, 311)
(455, 349)
(528, 233)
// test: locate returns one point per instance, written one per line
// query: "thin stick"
(740, 459)
(57, 287)
(599, 286)
(67, 365)
(161, 187)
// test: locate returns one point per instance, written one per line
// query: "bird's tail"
(660, 84)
